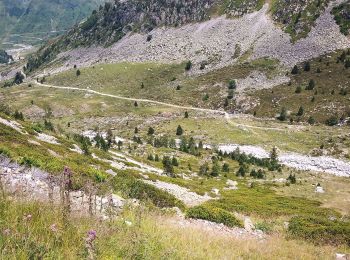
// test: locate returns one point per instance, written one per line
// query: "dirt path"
(226, 115)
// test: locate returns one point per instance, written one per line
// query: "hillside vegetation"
(33, 17)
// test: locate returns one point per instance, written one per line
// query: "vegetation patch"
(320, 230)
(213, 214)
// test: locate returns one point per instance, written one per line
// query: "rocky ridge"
(215, 42)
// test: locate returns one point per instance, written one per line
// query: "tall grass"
(34, 231)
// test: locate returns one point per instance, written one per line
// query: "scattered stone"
(319, 189)
(190, 198)
(248, 224)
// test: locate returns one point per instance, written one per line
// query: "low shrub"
(134, 188)
(213, 214)
(320, 230)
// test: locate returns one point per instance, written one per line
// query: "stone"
(248, 224)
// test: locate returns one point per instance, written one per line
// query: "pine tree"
(174, 162)
(186, 114)
(283, 115)
(168, 167)
(311, 85)
(226, 167)
(120, 144)
(78, 73)
(179, 130)
(215, 171)
(203, 169)
(298, 90)
(311, 120)
(188, 66)
(136, 131)
(226, 102)
(232, 84)
(274, 154)
(150, 131)
(295, 70)
(307, 66)
(136, 104)
(300, 111)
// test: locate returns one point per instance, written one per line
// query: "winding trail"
(226, 115)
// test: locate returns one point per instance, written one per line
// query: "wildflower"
(92, 234)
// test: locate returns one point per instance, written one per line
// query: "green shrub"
(133, 188)
(320, 230)
(5, 151)
(213, 214)
(30, 162)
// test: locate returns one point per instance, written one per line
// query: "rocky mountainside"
(211, 33)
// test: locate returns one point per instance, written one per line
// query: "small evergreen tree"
(295, 70)
(232, 84)
(186, 114)
(311, 120)
(226, 102)
(283, 115)
(311, 85)
(204, 169)
(298, 90)
(226, 167)
(174, 162)
(156, 158)
(215, 171)
(292, 179)
(274, 154)
(150, 131)
(120, 144)
(179, 130)
(168, 167)
(78, 73)
(300, 111)
(188, 66)
(307, 66)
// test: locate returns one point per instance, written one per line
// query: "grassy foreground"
(34, 231)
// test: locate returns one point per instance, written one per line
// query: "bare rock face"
(33, 184)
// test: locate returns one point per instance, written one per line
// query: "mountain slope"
(211, 43)
(38, 16)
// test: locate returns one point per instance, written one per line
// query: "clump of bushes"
(213, 214)
(134, 188)
(320, 230)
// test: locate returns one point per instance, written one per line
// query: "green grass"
(266, 203)
(332, 77)
(216, 215)
(320, 230)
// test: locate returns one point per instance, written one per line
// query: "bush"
(4, 151)
(332, 121)
(295, 70)
(283, 115)
(137, 189)
(311, 85)
(320, 230)
(188, 65)
(213, 214)
(298, 90)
